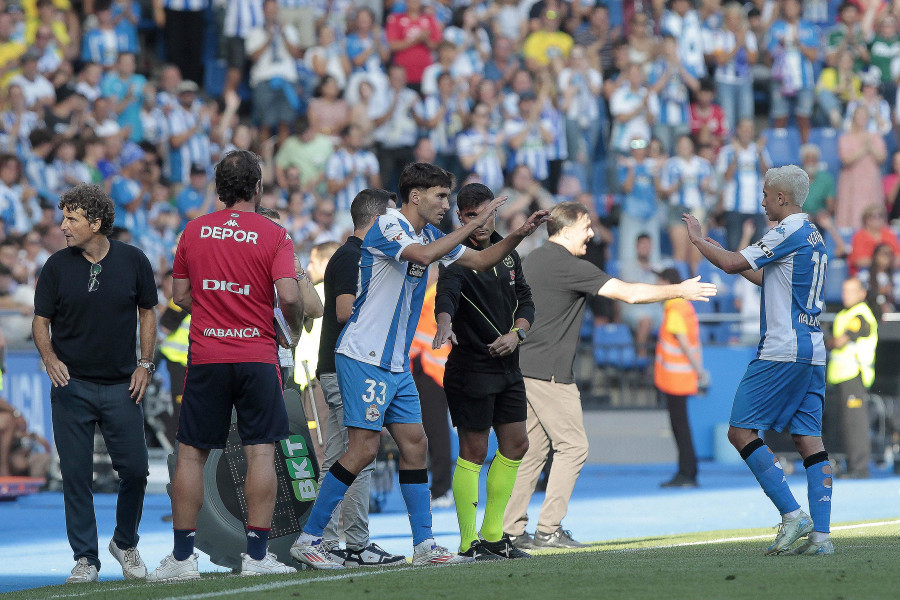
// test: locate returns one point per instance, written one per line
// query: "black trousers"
(853, 418)
(177, 372)
(392, 161)
(77, 408)
(184, 33)
(437, 428)
(681, 429)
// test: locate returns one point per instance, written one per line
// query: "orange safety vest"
(673, 373)
(433, 361)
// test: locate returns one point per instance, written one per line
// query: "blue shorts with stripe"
(779, 396)
(374, 397)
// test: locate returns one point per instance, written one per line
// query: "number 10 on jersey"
(820, 266)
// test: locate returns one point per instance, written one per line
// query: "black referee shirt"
(483, 305)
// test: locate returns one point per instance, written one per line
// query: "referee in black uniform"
(486, 315)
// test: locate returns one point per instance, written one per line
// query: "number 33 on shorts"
(372, 387)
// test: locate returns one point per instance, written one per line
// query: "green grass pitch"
(722, 565)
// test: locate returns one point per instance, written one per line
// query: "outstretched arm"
(482, 260)
(644, 293)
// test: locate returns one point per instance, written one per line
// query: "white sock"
(305, 539)
(791, 515)
(818, 536)
(425, 544)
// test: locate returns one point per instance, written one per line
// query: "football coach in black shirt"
(90, 296)
(486, 315)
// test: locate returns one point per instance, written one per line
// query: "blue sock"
(331, 492)
(770, 475)
(184, 543)
(414, 489)
(257, 542)
(819, 481)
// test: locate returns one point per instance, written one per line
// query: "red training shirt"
(400, 27)
(232, 259)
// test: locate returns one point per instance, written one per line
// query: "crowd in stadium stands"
(641, 110)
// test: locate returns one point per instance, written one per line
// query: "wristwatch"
(146, 364)
(521, 333)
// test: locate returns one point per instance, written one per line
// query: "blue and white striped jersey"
(241, 16)
(389, 294)
(341, 164)
(534, 151)
(794, 261)
(192, 5)
(196, 150)
(488, 167)
(687, 176)
(743, 193)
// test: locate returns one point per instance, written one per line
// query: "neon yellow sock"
(500, 481)
(465, 494)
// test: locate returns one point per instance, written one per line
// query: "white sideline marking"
(360, 574)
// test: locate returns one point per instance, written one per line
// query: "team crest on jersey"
(414, 270)
(508, 262)
(780, 229)
(765, 249)
(372, 413)
(235, 215)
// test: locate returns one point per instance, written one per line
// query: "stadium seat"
(826, 138)
(684, 269)
(614, 346)
(587, 326)
(783, 144)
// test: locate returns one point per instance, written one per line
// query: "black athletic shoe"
(504, 548)
(680, 481)
(522, 542)
(372, 555)
(558, 539)
(479, 552)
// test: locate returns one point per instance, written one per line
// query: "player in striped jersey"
(742, 165)
(372, 355)
(785, 386)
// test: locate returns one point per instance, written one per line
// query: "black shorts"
(480, 400)
(210, 392)
(234, 53)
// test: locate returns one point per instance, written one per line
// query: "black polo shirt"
(95, 333)
(341, 277)
(560, 284)
(483, 306)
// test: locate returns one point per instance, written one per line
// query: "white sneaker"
(429, 553)
(132, 565)
(789, 532)
(269, 565)
(445, 501)
(314, 555)
(811, 548)
(84, 572)
(175, 570)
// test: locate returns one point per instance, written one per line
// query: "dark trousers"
(392, 161)
(681, 429)
(177, 371)
(184, 33)
(437, 428)
(853, 417)
(77, 408)
(734, 224)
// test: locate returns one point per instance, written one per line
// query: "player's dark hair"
(368, 204)
(269, 213)
(564, 214)
(422, 176)
(237, 177)
(95, 203)
(472, 195)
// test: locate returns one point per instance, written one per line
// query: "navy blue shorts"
(210, 392)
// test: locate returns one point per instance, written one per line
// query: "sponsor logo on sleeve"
(414, 270)
(508, 262)
(765, 249)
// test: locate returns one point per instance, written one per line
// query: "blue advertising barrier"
(27, 387)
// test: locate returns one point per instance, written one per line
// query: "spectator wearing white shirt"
(440, 117)
(349, 170)
(683, 22)
(634, 109)
(273, 48)
(879, 110)
(328, 57)
(395, 126)
(38, 90)
(188, 128)
(741, 166)
(241, 17)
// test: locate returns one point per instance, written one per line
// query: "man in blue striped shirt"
(784, 387)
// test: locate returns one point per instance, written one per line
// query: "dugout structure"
(222, 522)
